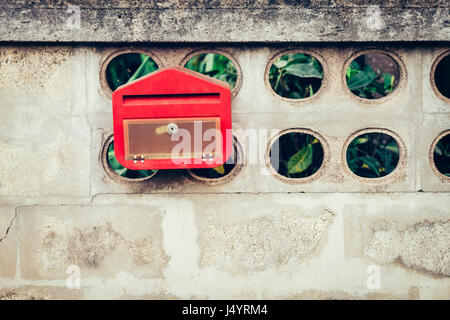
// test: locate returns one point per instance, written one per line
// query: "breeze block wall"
(255, 234)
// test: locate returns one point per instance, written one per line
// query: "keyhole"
(172, 128)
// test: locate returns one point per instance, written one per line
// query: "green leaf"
(354, 163)
(219, 169)
(351, 73)
(300, 161)
(438, 150)
(361, 79)
(354, 66)
(214, 65)
(388, 80)
(209, 62)
(367, 68)
(372, 163)
(113, 78)
(122, 171)
(303, 70)
(362, 94)
(391, 146)
(301, 60)
(142, 70)
(385, 156)
(360, 140)
(348, 73)
(280, 63)
(311, 92)
(443, 148)
(299, 57)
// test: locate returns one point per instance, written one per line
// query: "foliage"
(292, 76)
(122, 171)
(220, 171)
(296, 76)
(300, 155)
(442, 155)
(372, 155)
(121, 70)
(128, 67)
(218, 67)
(363, 81)
(214, 65)
(131, 66)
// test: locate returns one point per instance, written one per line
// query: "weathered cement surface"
(57, 237)
(225, 21)
(8, 242)
(297, 246)
(424, 246)
(255, 236)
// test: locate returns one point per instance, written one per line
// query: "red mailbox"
(173, 118)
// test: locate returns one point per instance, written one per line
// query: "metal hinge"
(207, 157)
(138, 158)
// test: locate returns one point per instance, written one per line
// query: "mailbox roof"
(172, 80)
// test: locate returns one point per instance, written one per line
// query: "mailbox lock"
(172, 128)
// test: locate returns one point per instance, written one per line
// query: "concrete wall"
(254, 236)
(226, 20)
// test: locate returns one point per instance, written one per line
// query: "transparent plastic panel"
(172, 138)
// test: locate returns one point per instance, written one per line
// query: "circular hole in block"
(296, 154)
(442, 76)
(214, 65)
(373, 155)
(224, 172)
(116, 171)
(372, 75)
(441, 154)
(127, 67)
(295, 76)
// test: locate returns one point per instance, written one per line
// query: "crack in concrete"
(9, 227)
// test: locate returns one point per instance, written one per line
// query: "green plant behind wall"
(372, 155)
(121, 70)
(128, 67)
(367, 83)
(296, 76)
(214, 65)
